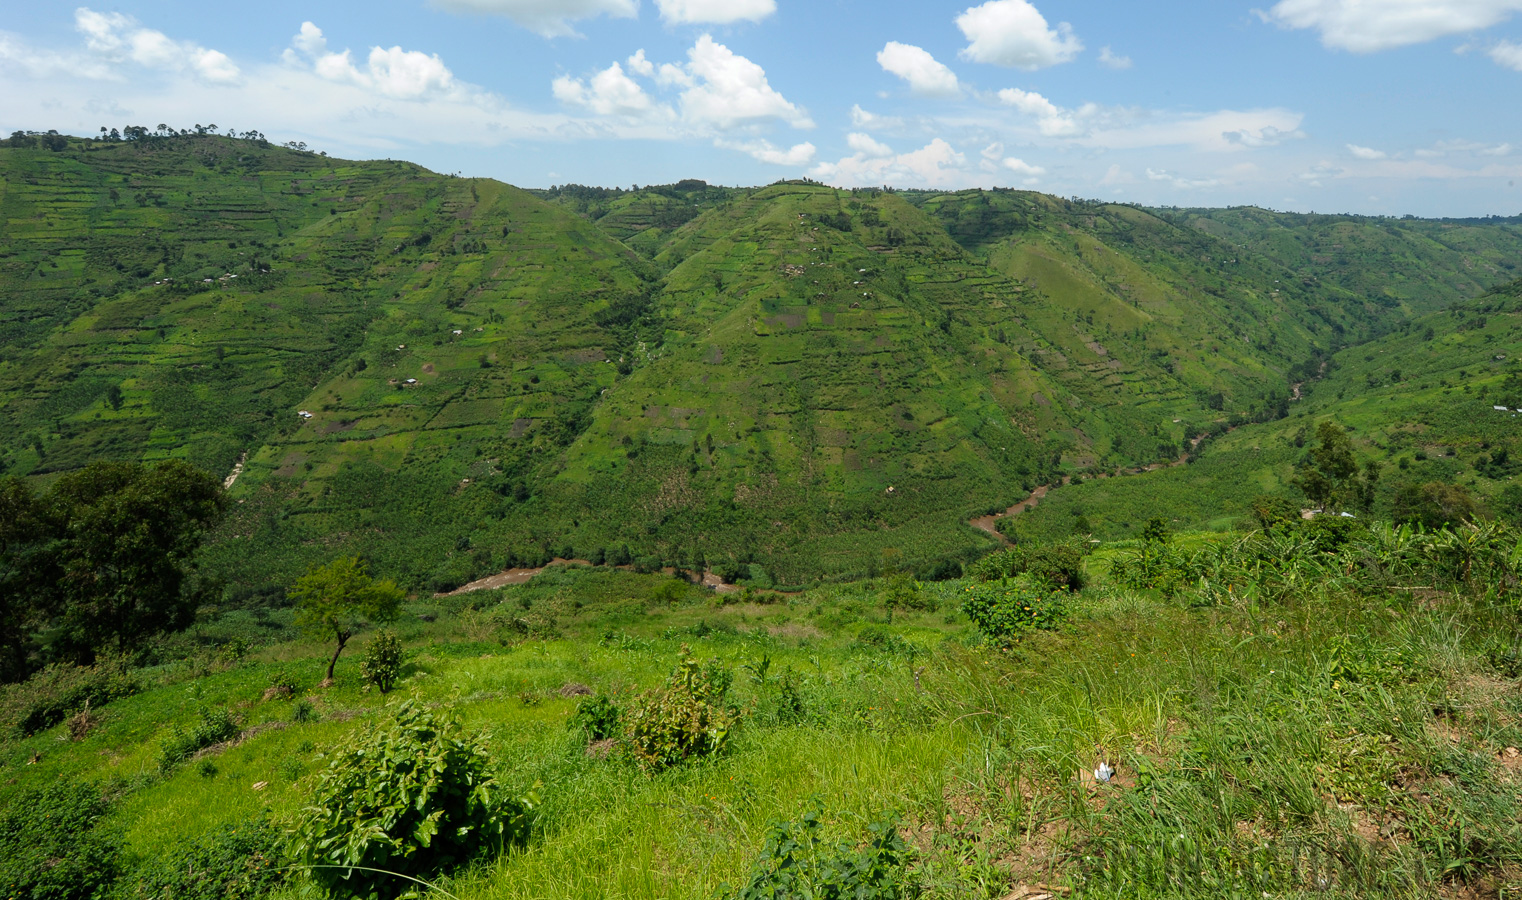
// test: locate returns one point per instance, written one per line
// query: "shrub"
(903, 592)
(50, 847)
(216, 726)
(59, 691)
(282, 686)
(683, 719)
(1434, 505)
(795, 862)
(413, 796)
(597, 717)
(1155, 566)
(1271, 512)
(303, 712)
(238, 862)
(382, 663)
(1005, 610)
(1059, 565)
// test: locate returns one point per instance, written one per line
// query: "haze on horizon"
(1370, 106)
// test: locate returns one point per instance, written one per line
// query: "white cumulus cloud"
(1180, 181)
(861, 118)
(608, 93)
(937, 164)
(763, 151)
(715, 12)
(729, 90)
(864, 143)
(550, 18)
(1366, 152)
(1114, 60)
(639, 65)
(1014, 33)
(396, 73)
(916, 66)
(1021, 167)
(119, 38)
(1052, 120)
(1367, 26)
(1507, 54)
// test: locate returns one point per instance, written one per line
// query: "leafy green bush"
(1059, 565)
(1155, 566)
(413, 796)
(216, 726)
(382, 663)
(59, 691)
(282, 686)
(239, 862)
(796, 862)
(50, 847)
(1005, 610)
(683, 719)
(903, 592)
(597, 716)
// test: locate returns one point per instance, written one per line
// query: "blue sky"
(1371, 106)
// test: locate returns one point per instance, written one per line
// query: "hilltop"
(454, 376)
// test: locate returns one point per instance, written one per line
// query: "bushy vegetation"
(598, 716)
(382, 666)
(61, 690)
(215, 726)
(795, 861)
(101, 562)
(413, 798)
(53, 847)
(240, 862)
(687, 718)
(1004, 610)
(1057, 565)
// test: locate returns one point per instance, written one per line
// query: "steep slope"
(1422, 401)
(454, 376)
(421, 321)
(1418, 265)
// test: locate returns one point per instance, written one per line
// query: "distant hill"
(1422, 401)
(788, 382)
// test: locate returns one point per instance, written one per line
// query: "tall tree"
(334, 600)
(29, 551)
(127, 555)
(1329, 473)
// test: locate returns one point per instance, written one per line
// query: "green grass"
(1266, 735)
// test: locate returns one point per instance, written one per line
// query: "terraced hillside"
(1436, 401)
(454, 376)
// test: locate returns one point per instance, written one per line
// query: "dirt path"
(990, 524)
(237, 470)
(524, 576)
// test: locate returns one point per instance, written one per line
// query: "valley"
(371, 532)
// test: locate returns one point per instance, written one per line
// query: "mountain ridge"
(791, 381)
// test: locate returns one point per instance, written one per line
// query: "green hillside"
(1421, 401)
(1417, 264)
(784, 383)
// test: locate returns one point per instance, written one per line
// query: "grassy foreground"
(1332, 737)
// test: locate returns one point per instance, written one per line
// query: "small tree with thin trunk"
(334, 600)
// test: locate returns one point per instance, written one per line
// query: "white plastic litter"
(1104, 773)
